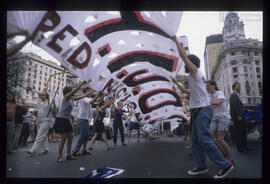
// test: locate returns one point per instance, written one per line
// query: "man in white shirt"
(85, 113)
(201, 115)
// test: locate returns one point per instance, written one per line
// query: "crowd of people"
(211, 120)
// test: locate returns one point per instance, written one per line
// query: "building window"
(249, 100)
(233, 62)
(258, 76)
(257, 62)
(235, 69)
(244, 52)
(34, 81)
(258, 70)
(39, 77)
(247, 88)
(29, 68)
(29, 74)
(260, 87)
(256, 53)
(246, 75)
(39, 83)
(235, 76)
(245, 61)
(39, 88)
(232, 53)
(40, 72)
(245, 69)
(34, 87)
(45, 74)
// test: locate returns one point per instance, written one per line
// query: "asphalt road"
(166, 157)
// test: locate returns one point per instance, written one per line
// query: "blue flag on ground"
(106, 172)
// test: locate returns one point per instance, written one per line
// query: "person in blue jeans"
(85, 114)
(201, 116)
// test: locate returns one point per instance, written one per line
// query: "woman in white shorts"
(221, 118)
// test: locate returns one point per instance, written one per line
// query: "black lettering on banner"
(136, 90)
(167, 62)
(128, 21)
(146, 108)
(121, 74)
(131, 81)
(132, 105)
(104, 50)
(122, 100)
(122, 89)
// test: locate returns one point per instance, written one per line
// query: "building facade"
(240, 60)
(37, 75)
(213, 44)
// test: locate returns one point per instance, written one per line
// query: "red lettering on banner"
(49, 16)
(108, 86)
(122, 89)
(53, 45)
(126, 98)
(81, 65)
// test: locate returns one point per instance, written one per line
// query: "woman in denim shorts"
(221, 118)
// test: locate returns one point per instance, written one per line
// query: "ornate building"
(240, 60)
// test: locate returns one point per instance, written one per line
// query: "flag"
(106, 172)
(127, 54)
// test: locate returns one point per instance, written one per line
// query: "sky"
(196, 25)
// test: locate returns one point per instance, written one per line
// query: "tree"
(16, 71)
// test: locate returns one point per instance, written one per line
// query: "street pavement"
(166, 158)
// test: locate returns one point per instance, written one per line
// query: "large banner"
(128, 54)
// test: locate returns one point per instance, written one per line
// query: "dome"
(231, 14)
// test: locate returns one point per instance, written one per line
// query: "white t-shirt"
(220, 109)
(133, 117)
(85, 111)
(198, 94)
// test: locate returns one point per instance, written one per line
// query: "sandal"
(60, 160)
(76, 153)
(86, 153)
(70, 157)
(110, 148)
